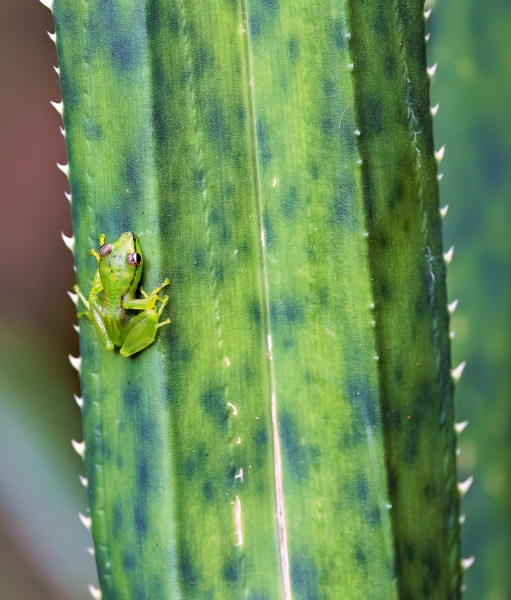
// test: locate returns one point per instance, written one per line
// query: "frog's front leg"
(142, 330)
(93, 311)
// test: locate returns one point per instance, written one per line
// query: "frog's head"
(120, 265)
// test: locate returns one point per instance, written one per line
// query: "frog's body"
(117, 278)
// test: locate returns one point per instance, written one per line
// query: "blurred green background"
(42, 544)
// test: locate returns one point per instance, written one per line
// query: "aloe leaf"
(290, 434)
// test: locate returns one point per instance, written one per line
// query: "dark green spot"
(230, 571)
(304, 576)
(208, 491)
(263, 142)
(293, 450)
(290, 201)
(140, 518)
(338, 33)
(131, 396)
(293, 49)
(128, 560)
(213, 403)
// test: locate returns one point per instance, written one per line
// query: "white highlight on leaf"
(274, 182)
(466, 563)
(281, 520)
(233, 408)
(452, 306)
(434, 109)
(464, 486)
(79, 447)
(78, 400)
(86, 521)
(227, 361)
(432, 70)
(238, 532)
(270, 347)
(440, 153)
(68, 241)
(84, 481)
(94, 592)
(238, 441)
(460, 427)
(458, 371)
(76, 362)
(443, 211)
(448, 255)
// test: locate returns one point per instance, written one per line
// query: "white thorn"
(76, 328)
(58, 106)
(52, 36)
(460, 427)
(458, 371)
(48, 4)
(94, 592)
(91, 551)
(233, 408)
(464, 486)
(439, 155)
(452, 306)
(76, 362)
(57, 70)
(427, 14)
(452, 334)
(79, 447)
(448, 255)
(74, 298)
(426, 37)
(434, 110)
(84, 481)
(462, 519)
(432, 70)
(86, 521)
(63, 132)
(64, 168)
(466, 563)
(440, 176)
(443, 211)
(78, 400)
(68, 240)
(68, 196)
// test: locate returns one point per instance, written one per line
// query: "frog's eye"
(134, 259)
(105, 250)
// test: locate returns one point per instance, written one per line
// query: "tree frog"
(117, 277)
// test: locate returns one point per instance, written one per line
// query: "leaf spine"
(434, 109)
(462, 519)
(94, 592)
(460, 427)
(432, 70)
(47, 3)
(464, 486)
(68, 196)
(440, 176)
(448, 255)
(452, 306)
(85, 521)
(444, 210)
(58, 106)
(74, 298)
(466, 563)
(458, 371)
(84, 481)
(69, 241)
(76, 328)
(79, 447)
(76, 362)
(57, 70)
(427, 36)
(427, 14)
(91, 551)
(439, 155)
(78, 400)
(52, 36)
(64, 168)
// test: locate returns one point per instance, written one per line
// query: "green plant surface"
(290, 434)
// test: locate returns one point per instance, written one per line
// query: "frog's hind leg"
(142, 332)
